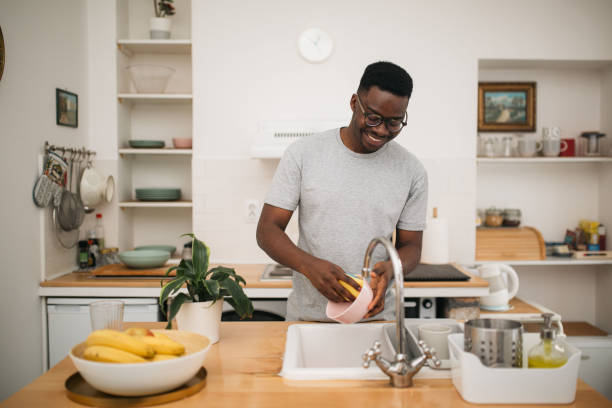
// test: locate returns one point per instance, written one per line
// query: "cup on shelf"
(571, 148)
(553, 147)
(106, 314)
(528, 146)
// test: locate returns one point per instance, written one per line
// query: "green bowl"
(143, 259)
(146, 144)
(169, 248)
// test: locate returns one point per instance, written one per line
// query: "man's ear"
(353, 102)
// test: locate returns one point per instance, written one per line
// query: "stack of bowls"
(150, 144)
(158, 194)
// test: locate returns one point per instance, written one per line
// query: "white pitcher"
(500, 293)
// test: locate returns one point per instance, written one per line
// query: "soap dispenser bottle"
(549, 353)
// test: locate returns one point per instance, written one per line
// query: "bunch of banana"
(136, 345)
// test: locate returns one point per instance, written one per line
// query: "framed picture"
(66, 108)
(506, 106)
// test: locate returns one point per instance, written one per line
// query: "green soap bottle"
(549, 353)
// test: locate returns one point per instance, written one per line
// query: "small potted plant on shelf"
(160, 25)
(200, 309)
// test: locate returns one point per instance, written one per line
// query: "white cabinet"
(153, 116)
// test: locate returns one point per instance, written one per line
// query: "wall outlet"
(253, 210)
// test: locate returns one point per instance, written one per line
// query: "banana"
(162, 357)
(111, 355)
(162, 344)
(138, 331)
(121, 341)
(351, 289)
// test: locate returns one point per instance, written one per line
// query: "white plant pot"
(160, 27)
(201, 317)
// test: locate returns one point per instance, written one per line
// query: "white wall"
(46, 48)
(246, 69)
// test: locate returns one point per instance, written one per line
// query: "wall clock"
(315, 44)
(1, 53)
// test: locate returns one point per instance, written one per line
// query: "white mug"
(500, 292)
(436, 336)
(553, 147)
(528, 146)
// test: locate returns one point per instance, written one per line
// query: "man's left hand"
(381, 275)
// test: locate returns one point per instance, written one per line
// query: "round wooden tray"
(78, 390)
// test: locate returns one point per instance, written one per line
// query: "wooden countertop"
(250, 272)
(243, 372)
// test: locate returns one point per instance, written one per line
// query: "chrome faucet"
(401, 369)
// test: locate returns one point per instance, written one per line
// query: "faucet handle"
(370, 354)
(430, 353)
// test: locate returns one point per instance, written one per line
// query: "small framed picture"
(506, 106)
(66, 108)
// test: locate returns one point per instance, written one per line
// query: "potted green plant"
(160, 25)
(199, 310)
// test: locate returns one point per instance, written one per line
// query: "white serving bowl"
(148, 78)
(138, 379)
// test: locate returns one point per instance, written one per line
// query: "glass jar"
(493, 217)
(512, 217)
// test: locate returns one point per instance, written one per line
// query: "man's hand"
(381, 275)
(324, 277)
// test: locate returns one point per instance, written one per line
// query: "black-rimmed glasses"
(374, 119)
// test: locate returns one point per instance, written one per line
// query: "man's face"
(390, 107)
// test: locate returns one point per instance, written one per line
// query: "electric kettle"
(501, 289)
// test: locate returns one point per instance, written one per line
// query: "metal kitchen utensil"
(496, 342)
(67, 210)
(67, 239)
(80, 208)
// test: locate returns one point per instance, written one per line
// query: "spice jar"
(493, 217)
(512, 217)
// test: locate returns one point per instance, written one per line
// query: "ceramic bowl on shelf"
(145, 258)
(158, 194)
(138, 379)
(149, 78)
(146, 144)
(170, 248)
(182, 142)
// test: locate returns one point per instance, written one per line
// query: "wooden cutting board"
(122, 270)
(504, 244)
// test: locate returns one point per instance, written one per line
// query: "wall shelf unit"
(164, 151)
(145, 46)
(155, 98)
(156, 204)
(153, 116)
(526, 160)
(551, 262)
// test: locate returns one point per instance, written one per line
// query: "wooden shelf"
(156, 204)
(162, 151)
(551, 261)
(146, 46)
(155, 98)
(543, 159)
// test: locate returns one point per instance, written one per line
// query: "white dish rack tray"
(483, 385)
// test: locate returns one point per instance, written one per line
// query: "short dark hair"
(388, 77)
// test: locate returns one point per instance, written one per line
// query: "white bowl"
(109, 189)
(92, 187)
(137, 379)
(148, 78)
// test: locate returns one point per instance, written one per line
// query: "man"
(351, 184)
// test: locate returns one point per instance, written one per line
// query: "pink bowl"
(182, 142)
(351, 312)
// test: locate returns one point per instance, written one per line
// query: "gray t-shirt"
(345, 199)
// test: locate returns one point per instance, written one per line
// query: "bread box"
(509, 244)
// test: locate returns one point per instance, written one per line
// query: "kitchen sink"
(333, 352)
(328, 351)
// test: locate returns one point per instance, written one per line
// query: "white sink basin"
(333, 351)
(328, 351)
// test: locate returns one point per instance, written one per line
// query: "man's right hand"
(324, 277)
